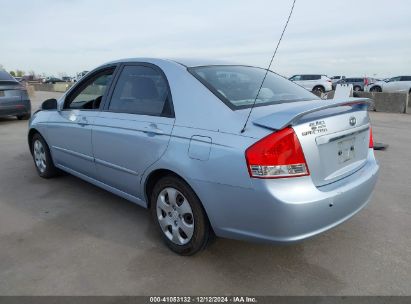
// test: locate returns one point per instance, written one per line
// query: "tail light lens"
(277, 155)
(371, 144)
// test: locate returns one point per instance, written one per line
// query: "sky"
(332, 37)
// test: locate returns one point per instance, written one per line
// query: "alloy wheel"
(39, 156)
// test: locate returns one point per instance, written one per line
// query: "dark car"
(14, 100)
(357, 83)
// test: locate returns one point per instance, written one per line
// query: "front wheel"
(42, 158)
(179, 215)
(357, 88)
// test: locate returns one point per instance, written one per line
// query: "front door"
(70, 128)
(133, 130)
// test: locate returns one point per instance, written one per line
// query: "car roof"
(187, 62)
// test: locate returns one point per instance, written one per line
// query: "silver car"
(168, 135)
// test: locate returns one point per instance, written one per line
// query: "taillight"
(371, 144)
(277, 155)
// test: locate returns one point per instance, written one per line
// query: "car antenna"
(266, 71)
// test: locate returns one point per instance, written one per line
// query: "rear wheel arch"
(155, 176)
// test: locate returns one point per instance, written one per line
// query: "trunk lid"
(334, 134)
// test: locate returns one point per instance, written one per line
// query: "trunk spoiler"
(289, 113)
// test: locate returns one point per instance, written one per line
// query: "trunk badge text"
(316, 127)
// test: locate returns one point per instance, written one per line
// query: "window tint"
(237, 86)
(141, 90)
(406, 78)
(90, 94)
(395, 79)
(311, 77)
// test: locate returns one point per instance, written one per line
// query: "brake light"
(277, 155)
(371, 144)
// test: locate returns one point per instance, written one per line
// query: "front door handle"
(82, 121)
(153, 129)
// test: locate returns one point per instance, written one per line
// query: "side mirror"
(49, 104)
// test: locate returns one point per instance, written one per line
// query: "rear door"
(310, 81)
(392, 85)
(134, 129)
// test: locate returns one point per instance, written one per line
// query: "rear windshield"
(237, 86)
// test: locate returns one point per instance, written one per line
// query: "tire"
(319, 89)
(42, 158)
(376, 89)
(357, 88)
(187, 213)
(24, 117)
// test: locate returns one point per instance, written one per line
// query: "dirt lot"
(66, 237)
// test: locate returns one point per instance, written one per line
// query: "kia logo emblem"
(353, 121)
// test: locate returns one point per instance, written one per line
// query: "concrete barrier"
(383, 102)
(30, 91)
(48, 87)
(387, 102)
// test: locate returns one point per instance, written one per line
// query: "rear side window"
(141, 90)
(237, 86)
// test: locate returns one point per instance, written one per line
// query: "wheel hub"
(175, 216)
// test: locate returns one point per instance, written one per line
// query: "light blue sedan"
(168, 135)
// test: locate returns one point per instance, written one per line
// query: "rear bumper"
(17, 108)
(286, 210)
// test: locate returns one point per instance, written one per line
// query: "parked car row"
(322, 83)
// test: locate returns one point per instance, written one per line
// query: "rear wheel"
(357, 88)
(179, 215)
(319, 89)
(42, 158)
(376, 89)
